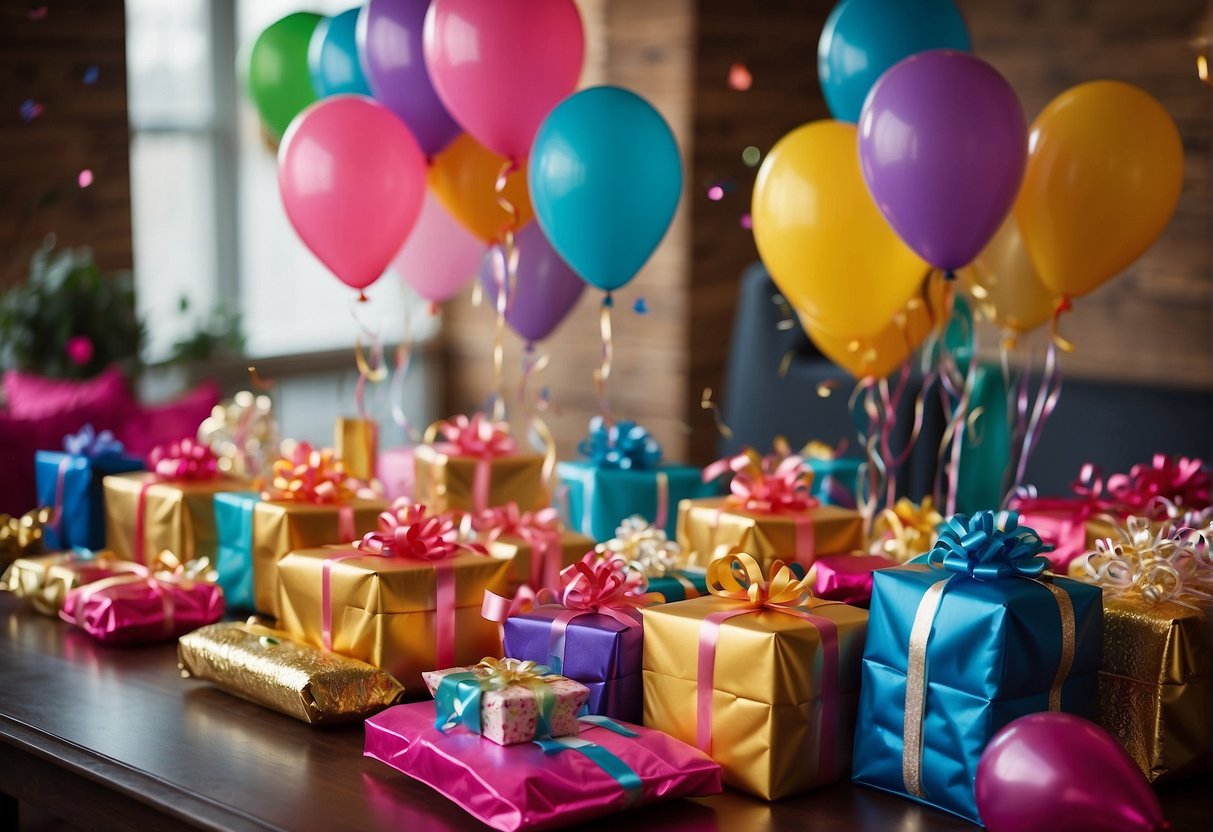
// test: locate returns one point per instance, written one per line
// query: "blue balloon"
(605, 178)
(863, 38)
(332, 57)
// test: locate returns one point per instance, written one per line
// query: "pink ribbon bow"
(476, 436)
(1068, 532)
(1167, 483)
(184, 459)
(540, 529)
(406, 531)
(772, 484)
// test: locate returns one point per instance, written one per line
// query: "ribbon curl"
(623, 445)
(773, 484)
(906, 530)
(989, 546)
(185, 459)
(88, 442)
(1154, 564)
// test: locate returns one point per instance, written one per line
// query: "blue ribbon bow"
(624, 444)
(87, 442)
(457, 701)
(989, 546)
(620, 772)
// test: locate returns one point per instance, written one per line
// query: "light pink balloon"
(500, 66)
(352, 180)
(440, 257)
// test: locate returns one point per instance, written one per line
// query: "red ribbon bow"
(408, 532)
(476, 436)
(772, 484)
(184, 459)
(1180, 482)
(606, 586)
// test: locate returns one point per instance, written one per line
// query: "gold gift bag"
(46, 579)
(778, 711)
(471, 464)
(356, 442)
(174, 515)
(535, 543)
(404, 602)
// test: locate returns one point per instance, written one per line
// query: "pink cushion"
(103, 399)
(159, 424)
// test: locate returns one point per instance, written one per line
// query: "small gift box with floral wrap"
(959, 646)
(621, 475)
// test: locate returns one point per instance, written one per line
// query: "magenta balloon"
(352, 179)
(545, 288)
(943, 143)
(389, 39)
(1062, 773)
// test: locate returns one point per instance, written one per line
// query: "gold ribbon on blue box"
(963, 644)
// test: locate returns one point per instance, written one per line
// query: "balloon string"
(865, 415)
(1063, 306)
(404, 360)
(706, 403)
(504, 277)
(1047, 395)
(374, 369)
(956, 392)
(603, 373)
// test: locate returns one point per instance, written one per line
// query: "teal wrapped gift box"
(234, 559)
(954, 654)
(597, 499)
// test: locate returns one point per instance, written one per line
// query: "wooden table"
(112, 738)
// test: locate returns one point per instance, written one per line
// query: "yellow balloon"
(1005, 284)
(464, 177)
(1105, 169)
(880, 354)
(823, 239)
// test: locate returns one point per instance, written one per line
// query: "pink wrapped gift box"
(137, 609)
(397, 473)
(847, 578)
(509, 714)
(545, 784)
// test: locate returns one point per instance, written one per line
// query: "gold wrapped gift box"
(445, 483)
(46, 579)
(383, 608)
(708, 528)
(356, 443)
(1154, 684)
(281, 527)
(572, 547)
(177, 516)
(266, 667)
(767, 693)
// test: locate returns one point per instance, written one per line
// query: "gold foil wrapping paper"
(445, 483)
(266, 667)
(1154, 684)
(710, 527)
(46, 579)
(356, 442)
(572, 546)
(178, 516)
(766, 701)
(282, 527)
(383, 608)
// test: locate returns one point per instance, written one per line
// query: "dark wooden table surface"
(109, 738)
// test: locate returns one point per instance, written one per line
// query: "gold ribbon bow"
(906, 530)
(738, 576)
(642, 547)
(21, 536)
(502, 673)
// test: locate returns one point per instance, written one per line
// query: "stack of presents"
(592, 635)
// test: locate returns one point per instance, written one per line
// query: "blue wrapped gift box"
(234, 557)
(835, 480)
(82, 511)
(597, 499)
(989, 646)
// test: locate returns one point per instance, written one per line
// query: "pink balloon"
(440, 257)
(352, 179)
(500, 66)
(1060, 772)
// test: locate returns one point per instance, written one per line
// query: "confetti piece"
(716, 193)
(740, 78)
(640, 306)
(826, 388)
(751, 156)
(92, 74)
(85, 178)
(37, 12)
(30, 110)
(747, 222)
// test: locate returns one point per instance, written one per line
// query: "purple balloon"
(943, 143)
(545, 288)
(1059, 772)
(389, 46)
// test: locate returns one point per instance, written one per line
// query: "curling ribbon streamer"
(1029, 414)
(603, 373)
(985, 546)
(505, 272)
(478, 437)
(773, 484)
(182, 461)
(406, 531)
(540, 530)
(458, 696)
(737, 577)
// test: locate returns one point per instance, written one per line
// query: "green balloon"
(278, 80)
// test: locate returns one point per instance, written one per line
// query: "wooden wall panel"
(45, 51)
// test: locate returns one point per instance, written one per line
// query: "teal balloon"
(863, 38)
(332, 57)
(605, 177)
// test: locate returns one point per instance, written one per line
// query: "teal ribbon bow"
(620, 772)
(624, 445)
(989, 546)
(458, 696)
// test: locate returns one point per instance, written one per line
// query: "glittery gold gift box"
(383, 609)
(767, 691)
(178, 516)
(571, 546)
(46, 579)
(445, 483)
(709, 527)
(266, 667)
(1154, 684)
(356, 443)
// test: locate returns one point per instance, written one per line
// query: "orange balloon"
(878, 355)
(464, 178)
(1004, 283)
